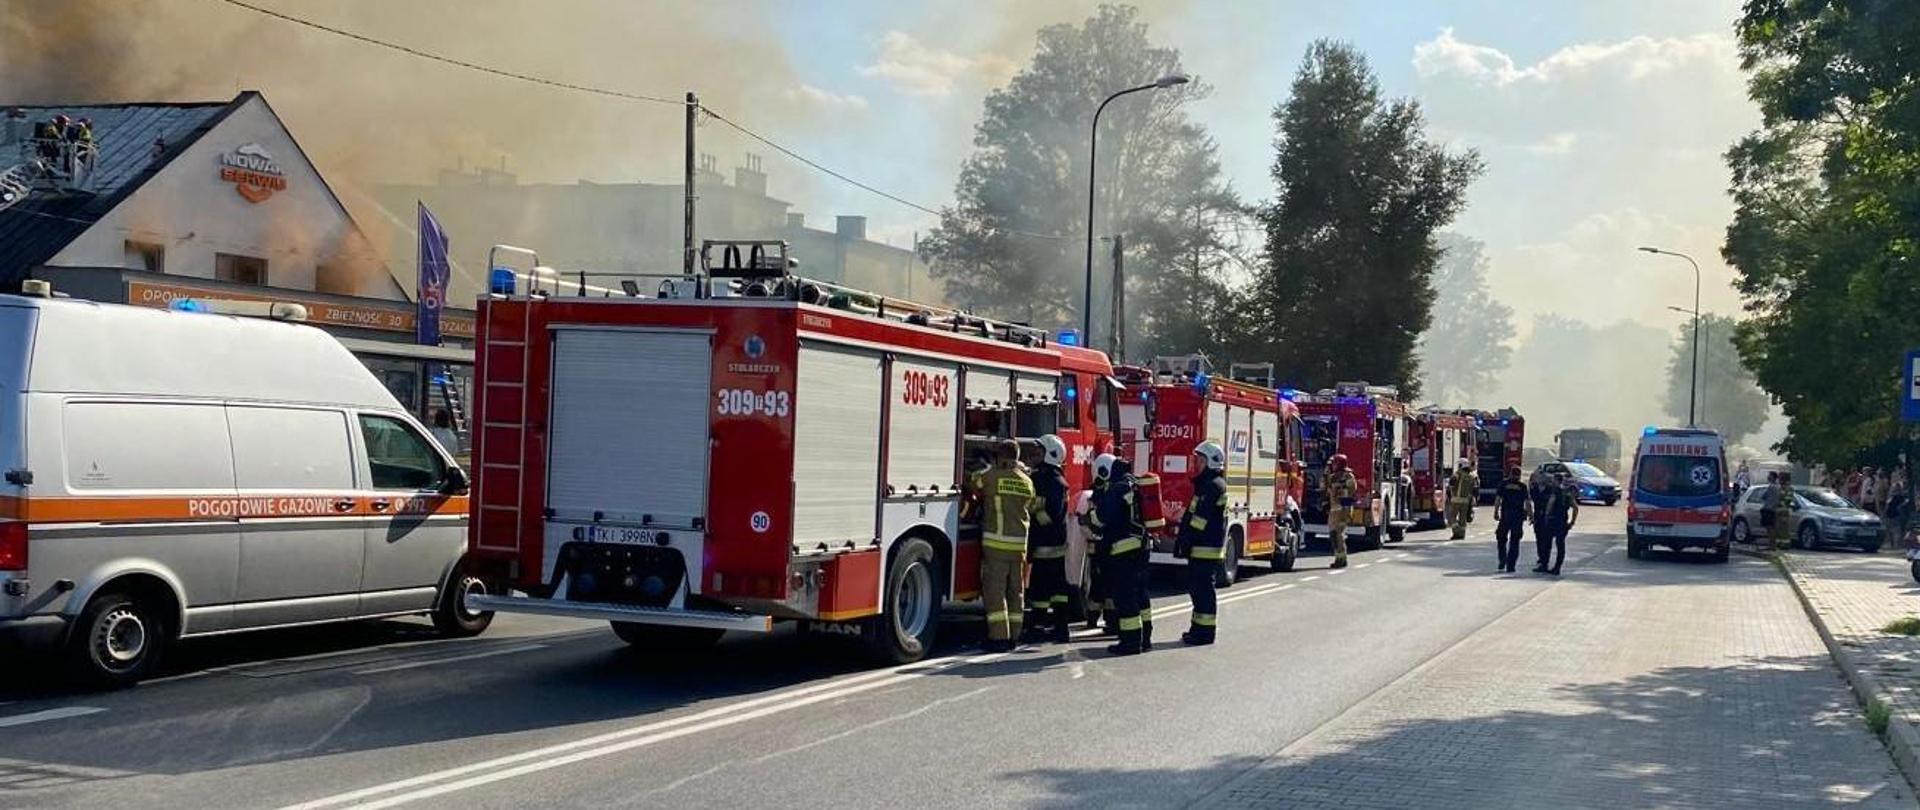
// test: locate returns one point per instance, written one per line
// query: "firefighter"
(1512, 506)
(1047, 544)
(1563, 510)
(1462, 489)
(1342, 488)
(1202, 539)
(1124, 557)
(1099, 602)
(1007, 505)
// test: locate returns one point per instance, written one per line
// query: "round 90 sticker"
(761, 522)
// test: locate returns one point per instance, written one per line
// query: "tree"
(1467, 343)
(1012, 244)
(1826, 229)
(1346, 288)
(1728, 400)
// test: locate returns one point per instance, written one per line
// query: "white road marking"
(1362, 565)
(1310, 579)
(449, 659)
(553, 756)
(1337, 571)
(61, 713)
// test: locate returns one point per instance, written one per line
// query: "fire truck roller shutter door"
(1036, 389)
(922, 414)
(1266, 456)
(989, 388)
(836, 452)
(629, 426)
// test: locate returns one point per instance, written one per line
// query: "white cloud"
(917, 69)
(825, 98)
(1559, 143)
(1638, 58)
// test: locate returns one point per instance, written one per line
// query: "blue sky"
(1601, 123)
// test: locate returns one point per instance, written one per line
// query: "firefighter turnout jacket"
(1008, 502)
(1048, 538)
(1203, 531)
(1342, 489)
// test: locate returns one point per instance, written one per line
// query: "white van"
(1679, 497)
(175, 474)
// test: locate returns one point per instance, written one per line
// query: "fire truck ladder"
(504, 404)
(57, 166)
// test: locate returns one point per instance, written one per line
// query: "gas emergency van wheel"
(1742, 533)
(118, 641)
(451, 617)
(909, 606)
(654, 637)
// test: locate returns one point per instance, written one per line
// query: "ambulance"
(176, 474)
(1679, 497)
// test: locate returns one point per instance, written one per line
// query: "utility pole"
(1119, 342)
(693, 117)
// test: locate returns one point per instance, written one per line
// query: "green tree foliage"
(1467, 343)
(1159, 184)
(1346, 290)
(1728, 399)
(1826, 231)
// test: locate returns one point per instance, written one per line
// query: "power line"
(712, 113)
(412, 51)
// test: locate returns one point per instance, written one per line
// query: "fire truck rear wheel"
(1230, 566)
(1288, 551)
(909, 606)
(672, 639)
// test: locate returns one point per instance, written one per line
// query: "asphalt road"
(561, 714)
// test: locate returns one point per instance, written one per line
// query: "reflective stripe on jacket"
(1008, 499)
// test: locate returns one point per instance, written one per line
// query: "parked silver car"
(1819, 517)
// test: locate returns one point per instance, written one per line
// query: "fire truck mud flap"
(632, 614)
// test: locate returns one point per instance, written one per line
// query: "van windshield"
(1682, 476)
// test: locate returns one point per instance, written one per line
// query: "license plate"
(1649, 528)
(615, 534)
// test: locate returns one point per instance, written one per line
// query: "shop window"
(147, 256)
(239, 269)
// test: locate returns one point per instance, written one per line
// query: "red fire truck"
(1499, 440)
(1439, 442)
(751, 446)
(1186, 405)
(1370, 425)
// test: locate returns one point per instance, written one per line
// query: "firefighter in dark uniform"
(1123, 553)
(1099, 602)
(1047, 592)
(1203, 538)
(1512, 505)
(1563, 510)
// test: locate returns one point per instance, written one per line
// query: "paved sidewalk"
(1855, 596)
(1666, 682)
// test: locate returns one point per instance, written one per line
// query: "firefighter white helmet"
(1211, 455)
(1053, 450)
(1103, 466)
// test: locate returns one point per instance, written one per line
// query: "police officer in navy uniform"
(1047, 592)
(1563, 510)
(1512, 505)
(1123, 551)
(1202, 540)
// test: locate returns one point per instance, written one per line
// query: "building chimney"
(750, 177)
(796, 221)
(850, 227)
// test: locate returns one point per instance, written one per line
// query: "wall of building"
(306, 237)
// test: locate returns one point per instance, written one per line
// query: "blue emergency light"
(501, 281)
(187, 305)
(1067, 337)
(1650, 431)
(1200, 382)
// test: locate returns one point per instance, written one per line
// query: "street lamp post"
(1093, 166)
(1695, 386)
(1700, 331)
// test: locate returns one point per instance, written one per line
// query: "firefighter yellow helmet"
(1211, 455)
(1053, 450)
(1103, 466)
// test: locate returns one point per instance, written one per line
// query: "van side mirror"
(456, 482)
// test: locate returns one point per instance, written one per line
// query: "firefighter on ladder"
(1047, 594)
(1008, 502)
(1462, 489)
(1342, 488)
(1123, 553)
(1203, 539)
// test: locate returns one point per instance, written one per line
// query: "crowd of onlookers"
(1880, 491)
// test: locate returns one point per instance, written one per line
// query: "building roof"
(35, 229)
